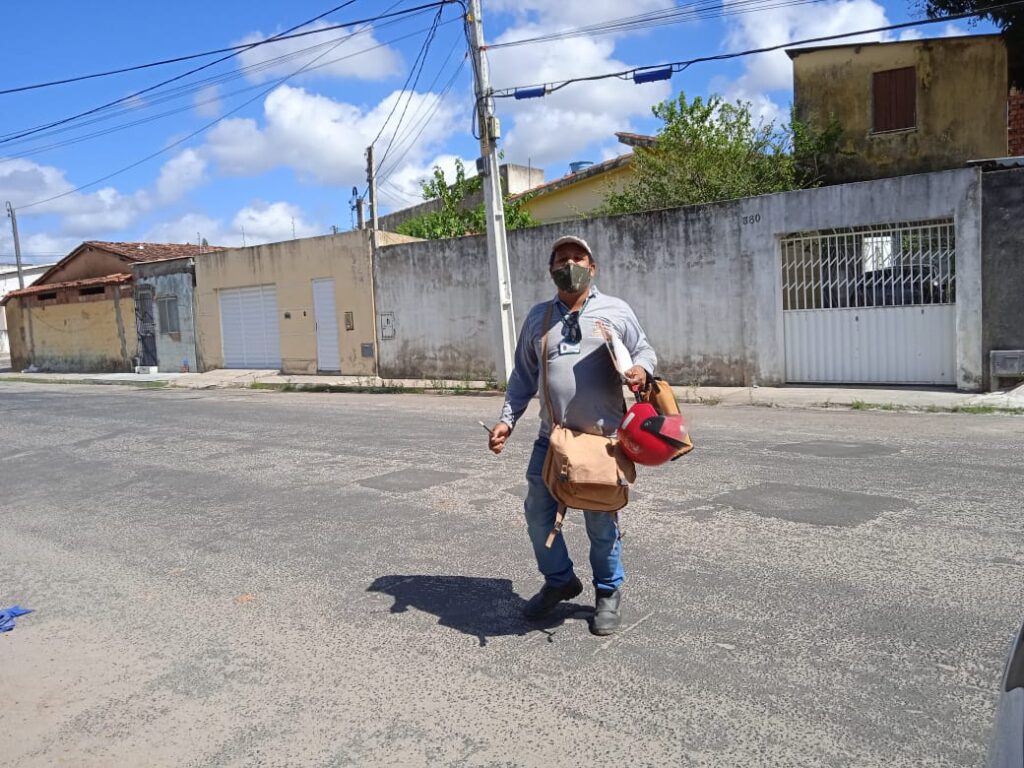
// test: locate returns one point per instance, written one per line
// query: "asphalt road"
(250, 578)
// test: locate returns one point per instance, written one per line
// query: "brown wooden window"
(894, 100)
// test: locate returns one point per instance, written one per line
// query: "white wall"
(705, 281)
(9, 282)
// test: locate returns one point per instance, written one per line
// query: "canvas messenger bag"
(581, 470)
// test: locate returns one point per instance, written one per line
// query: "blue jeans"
(602, 528)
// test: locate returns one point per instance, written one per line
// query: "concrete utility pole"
(371, 179)
(17, 243)
(494, 202)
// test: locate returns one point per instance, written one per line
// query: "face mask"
(572, 278)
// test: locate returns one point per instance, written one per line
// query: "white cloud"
(561, 125)
(360, 57)
(272, 222)
(190, 228)
(322, 139)
(207, 101)
(261, 222)
(180, 175)
(84, 214)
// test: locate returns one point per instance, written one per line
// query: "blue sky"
(288, 160)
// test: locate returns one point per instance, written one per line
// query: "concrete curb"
(857, 398)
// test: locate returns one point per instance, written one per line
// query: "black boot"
(541, 604)
(607, 617)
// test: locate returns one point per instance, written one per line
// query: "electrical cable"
(679, 66)
(39, 149)
(412, 91)
(194, 133)
(138, 93)
(652, 19)
(239, 48)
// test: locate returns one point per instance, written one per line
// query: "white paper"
(621, 358)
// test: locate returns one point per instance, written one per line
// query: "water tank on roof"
(579, 165)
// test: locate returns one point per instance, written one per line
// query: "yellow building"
(299, 306)
(906, 107)
(578, 193)
(80, 314)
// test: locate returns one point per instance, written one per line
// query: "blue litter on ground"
(8, 615)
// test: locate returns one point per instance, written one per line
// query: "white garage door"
(249, 330)
(871, 305)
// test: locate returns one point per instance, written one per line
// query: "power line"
(195, 133)
(39, 149)
(412, 91)
(238, 48)
(138, 93)
(645, 74)
(651, 19)
(423, 123)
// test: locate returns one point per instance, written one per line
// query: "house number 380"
(752, 219)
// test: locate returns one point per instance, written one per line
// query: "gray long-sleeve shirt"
(586, 390)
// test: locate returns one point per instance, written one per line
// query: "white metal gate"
(328, 354)
(248, 326)
(871, 305)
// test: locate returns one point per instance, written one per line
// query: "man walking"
(586, 395)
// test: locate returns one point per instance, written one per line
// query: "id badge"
(566, 348)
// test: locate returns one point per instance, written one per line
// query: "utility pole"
(26, 309)
(494, 201)
(371, 179)
(17, 243)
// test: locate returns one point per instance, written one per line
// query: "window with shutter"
(894, 100)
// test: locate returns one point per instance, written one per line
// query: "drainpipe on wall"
(120, 322)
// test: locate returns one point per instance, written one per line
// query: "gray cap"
(572, 239)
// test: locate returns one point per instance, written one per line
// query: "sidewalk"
(894, 399)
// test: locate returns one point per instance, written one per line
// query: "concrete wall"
(705, 281)
(578, 198)
(1003, 261)
(961, 103)
(172, 278)
(82, 336)
(292, 266)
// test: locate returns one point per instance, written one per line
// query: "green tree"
(456, 217)
(1009, 20)
(710, 150)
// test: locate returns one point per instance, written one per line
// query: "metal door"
(249, 331)
(872, 305)
(145, 325)
(328, 353)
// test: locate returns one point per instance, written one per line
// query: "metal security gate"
(249, 330)
(328, 352)
(871, 305)
(145, 325)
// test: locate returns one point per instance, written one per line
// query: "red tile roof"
(153, 251)
(119, 278)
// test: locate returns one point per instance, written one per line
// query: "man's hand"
(499, 435)
(636, 377)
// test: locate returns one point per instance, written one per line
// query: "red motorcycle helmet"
(651, 439)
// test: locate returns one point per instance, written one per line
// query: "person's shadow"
(476, 606)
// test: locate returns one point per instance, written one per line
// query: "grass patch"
(382, 389)
(860, 405)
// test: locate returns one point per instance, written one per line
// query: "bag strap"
(544, 358)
